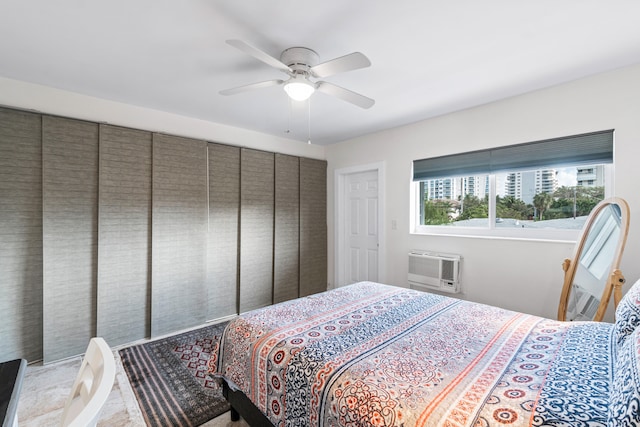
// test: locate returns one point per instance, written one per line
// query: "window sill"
(538, 235)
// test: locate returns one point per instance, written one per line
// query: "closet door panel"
(70, 226)
(287, 228)
(124, 235)
(224, 211)
(256, 232)
(21, 235)
(179, 230)
(313, 226)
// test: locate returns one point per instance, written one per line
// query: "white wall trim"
(339, 210)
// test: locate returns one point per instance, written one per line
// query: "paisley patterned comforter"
(372, 354)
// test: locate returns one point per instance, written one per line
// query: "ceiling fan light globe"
(299, 90)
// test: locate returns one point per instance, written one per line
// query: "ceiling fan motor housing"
(299, 59)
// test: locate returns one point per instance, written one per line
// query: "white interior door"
(361, 226)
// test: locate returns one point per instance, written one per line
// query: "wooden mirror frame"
(615, 279)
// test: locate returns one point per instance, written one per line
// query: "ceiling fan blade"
(251, 86)
(260, 55)
(353, 61)
(345, 94)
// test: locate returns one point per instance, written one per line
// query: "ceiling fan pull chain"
(309, 121)
(290, 103)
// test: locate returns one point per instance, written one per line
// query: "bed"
(379, 355)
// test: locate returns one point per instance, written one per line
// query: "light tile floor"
(46, 388)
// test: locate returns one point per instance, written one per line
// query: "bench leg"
(235, 416)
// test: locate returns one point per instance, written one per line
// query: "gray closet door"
(287, 228)
(70, 226)
(124, 235)
(256, 233)
(224, 211)
(179, 212)
(21, 235)
(313, 226)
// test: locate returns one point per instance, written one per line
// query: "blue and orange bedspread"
(372, 354)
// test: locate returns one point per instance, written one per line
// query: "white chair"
(91, 387)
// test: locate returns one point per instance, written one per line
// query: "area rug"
(169, 378)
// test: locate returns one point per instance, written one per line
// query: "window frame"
(491, 231)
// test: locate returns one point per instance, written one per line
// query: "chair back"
(91, 387)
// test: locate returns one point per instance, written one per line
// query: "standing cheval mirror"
(593, 274)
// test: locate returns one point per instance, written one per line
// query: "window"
(543, 189)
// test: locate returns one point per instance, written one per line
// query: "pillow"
(627, 314)
(624, 405)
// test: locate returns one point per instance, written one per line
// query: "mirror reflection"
(592, 274)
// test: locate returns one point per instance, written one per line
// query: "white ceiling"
(428, 57)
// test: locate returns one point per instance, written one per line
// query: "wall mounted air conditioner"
(434, 271)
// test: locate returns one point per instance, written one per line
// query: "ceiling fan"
(301, 64)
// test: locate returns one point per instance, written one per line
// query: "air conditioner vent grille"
(424, 266)
(448, 270)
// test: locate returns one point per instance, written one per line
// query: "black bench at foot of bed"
(241, 406)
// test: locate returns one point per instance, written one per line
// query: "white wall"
(516, 274)
(44, 99)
